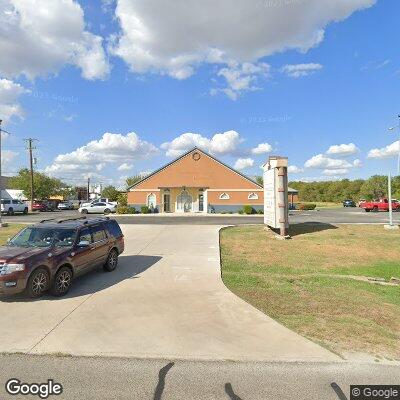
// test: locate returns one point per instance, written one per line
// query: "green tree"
(374, 187)
(111, 193)
(132, 180)
(44, 186)
(260, 180)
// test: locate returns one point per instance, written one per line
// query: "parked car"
(98, 208)
(349, 203)
(379, 205)
(39, 206)
(362, 201)
(13, 206)
(50, 254)
(101, 200)
(65, 205)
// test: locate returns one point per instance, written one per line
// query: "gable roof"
(184, 155)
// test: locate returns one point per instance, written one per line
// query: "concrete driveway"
(166, 300)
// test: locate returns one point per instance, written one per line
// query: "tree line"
(46, 186)
(336, 191)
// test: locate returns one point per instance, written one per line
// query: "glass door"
(167, 202)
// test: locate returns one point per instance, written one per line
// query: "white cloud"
(385, 152)
(39, 37)
(241, 78)
(293, 169)
(7, 157)
(125, 167)
(220, 143)
(320, 161)
(9, 94)
(243, 163)
(176, 37)
(343, 149)
(357, 163)
(299, 70)
(94, 156)
(262, 148)
(335, 172)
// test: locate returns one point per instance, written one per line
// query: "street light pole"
(391, 225)
(390, 199)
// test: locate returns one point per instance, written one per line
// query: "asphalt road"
(327, 216)
(113, 378)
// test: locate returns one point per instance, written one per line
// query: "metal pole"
(390, 199)
(398, 159)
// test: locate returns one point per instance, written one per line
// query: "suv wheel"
(62, 282)
(10, 211)
(38, 283)
(84, 211)
(26, 210)
(112, 261)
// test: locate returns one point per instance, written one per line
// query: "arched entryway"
(184, 202)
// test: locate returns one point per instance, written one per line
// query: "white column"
(205, 202)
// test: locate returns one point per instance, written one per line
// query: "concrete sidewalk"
(166, 300)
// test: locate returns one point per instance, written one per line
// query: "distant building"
(198, 182)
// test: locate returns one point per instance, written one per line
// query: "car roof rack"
(47, 220)
(70, 219)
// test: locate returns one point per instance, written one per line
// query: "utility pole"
(30, 148)
(88, 189)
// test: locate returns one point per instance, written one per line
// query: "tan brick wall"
(206, 172)
(235, 198)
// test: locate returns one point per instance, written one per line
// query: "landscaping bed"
(319, 282)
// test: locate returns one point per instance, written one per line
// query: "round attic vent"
(196, 156)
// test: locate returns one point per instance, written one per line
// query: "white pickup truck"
(12, 206)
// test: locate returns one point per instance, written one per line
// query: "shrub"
(145, 210)
(122, 199)
(307, 206)
(125, 210)
(248, 210)
(240, 212)
(260, 211)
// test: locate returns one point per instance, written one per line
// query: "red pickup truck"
(379, 205)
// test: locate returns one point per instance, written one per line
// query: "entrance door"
(167, 202)
(201, 202)
(184, 202)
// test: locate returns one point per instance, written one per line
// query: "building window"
(224, 196)
(253, 196)
(151, 201)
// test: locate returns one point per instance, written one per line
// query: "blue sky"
(290, 76)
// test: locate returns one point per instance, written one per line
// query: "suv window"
(98, 233)
(5, 202)
(16, 202)
(85, 235)
(114, 229)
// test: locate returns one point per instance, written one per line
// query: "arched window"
(224, 196)
(253, 196)
(151, 200)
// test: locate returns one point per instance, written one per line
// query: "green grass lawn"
(9, 231)
(307, 283)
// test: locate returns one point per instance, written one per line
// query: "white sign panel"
(270, 204)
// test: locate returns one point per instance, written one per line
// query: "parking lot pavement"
(120, 379)
(165, 300)
(331, 216)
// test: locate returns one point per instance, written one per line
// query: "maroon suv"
(49, 255)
